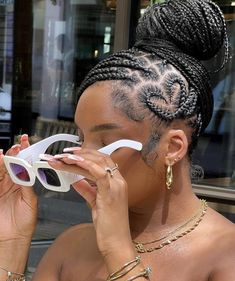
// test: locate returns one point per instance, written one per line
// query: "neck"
(155, 217)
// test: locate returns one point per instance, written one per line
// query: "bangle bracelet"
(21, 276)
(144, 273)
(127, 267)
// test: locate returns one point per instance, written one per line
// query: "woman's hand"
(18, 204)
(106, 194)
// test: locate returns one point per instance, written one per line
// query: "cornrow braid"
(197, 27)
(162, 69)
(191, 69)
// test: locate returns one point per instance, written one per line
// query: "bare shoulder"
(219, 229)
(72, 245)
(76, 233)
(220, 233)
(74, 239)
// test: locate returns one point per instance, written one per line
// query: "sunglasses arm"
(32, 152)
(109, 149)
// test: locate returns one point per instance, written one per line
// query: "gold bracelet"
(144, 273)
(11, 273)
(21, 278)
(127, 267)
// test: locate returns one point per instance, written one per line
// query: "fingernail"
(1, 151)
(45, 157)
(75, 157)
(71, 149)
(24, 137)
(15, 146)
(60, 156)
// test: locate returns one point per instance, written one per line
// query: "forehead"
(95, 105)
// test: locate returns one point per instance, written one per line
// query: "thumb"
(86, 191)
(29, 195)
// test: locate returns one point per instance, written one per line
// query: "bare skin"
(207, 253)
(91, 252)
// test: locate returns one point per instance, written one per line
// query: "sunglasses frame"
(65, 178)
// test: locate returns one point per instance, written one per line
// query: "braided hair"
(162, 76)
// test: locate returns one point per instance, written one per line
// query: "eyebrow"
(104, 127)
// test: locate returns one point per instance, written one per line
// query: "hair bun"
(197, 27)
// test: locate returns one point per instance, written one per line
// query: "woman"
(145, 214)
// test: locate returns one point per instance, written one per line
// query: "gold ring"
(111, 170)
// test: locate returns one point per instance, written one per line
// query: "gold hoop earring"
(169, 177)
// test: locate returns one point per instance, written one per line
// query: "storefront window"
(46, 49)
(69, 38)
(6, 71)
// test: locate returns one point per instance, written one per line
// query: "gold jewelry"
(10, 274)
(22, 278)
(143, 273)
(127, 267)
(111, 170)
(169, 177)
(173, 236)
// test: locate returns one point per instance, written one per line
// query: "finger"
(24, 141)
(104, 161)
(86, 191)
(15, 149)
(88, 168)
(74, 164)
(72, 167)
(98, 172)
(3, 170)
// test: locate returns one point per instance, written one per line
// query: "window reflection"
(216, 149)
(70, 37)
(6, 70)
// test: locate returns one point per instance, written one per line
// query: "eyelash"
(81, 140)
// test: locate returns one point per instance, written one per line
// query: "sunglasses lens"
(20, 172)
(49, 176)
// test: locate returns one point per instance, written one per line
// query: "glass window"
(6, 65)
(216, 148)
(69, 38)
(44, 56)
(46, 49)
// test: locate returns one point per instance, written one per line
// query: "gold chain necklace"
(173, 236)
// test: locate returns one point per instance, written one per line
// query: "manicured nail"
(71, 149)
(60, 156)
(24, 137)
(75, 157)
(15, 146)
(1, 151)
(46, 157)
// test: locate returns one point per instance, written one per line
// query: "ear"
(176, 146)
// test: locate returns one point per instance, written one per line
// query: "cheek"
(140, 180)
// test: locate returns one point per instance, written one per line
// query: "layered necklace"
(182, 230)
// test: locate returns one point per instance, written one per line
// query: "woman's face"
(100, 123)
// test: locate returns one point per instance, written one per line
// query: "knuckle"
(103, 159)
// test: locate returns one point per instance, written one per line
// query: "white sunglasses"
(25, 167)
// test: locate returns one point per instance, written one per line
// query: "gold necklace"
(173, 236)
